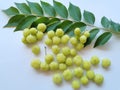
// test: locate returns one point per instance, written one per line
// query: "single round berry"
(65, 39)
(77, 31)
(53, 65)
(84, 80)
(59, 32)
(62, 66)
(24, 40)
(55, 49)
(78, 72)
(90, 74)
(50, 34)
(48, 41)
(66, 51)
(61, 58)
(39, 35)
(75, 84)
(67, 75)
(56, 40)
(79, 46)
(106, 63)
(41, 27)
(69, 61)
(26, 32)
(44, 66)
(83, 39)
(35, 63)
(73, 52)
(98, 79)
(73, 41)
(36, 49)
(77, 60)
(31, 39)
(94, 60)
(86, 65)
(33, 31)
(49, 58)
(57, 78)
(87, 34)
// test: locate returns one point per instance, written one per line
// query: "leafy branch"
(30, 14)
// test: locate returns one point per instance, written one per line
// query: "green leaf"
(103, 38)
(11, 11)
(105, 22)
(65, 25)
(60, 9)
(74, 12)
(25, 23)
(52, 20)
(48, 8)
(35, 8)
(14, 21)
(114, 26)
(93, 34)
(53, 26)
(23, 8)
(89, 17)
(40, 20)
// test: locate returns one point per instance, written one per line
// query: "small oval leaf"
(35, 8)
(48, 8)
(74, 12)
(114, 26)
(93, 34)
(25, 23)
(11, 11)
(60, 9)
(14, 21)
(103, 38)
(23, 8)
(52, 20)
(105, 22)
(89, 17)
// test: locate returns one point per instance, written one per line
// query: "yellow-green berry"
(48, 41)
(86, 65)
(35, 63)
(90, 74)
(44, 66)
(87, 34)
(77, 60)
(50, 34)
(66, 51)
(94, 60)
(98, 79)
(39, 35)
(55, 49)
(73, 52)
(62, 66)
(84, 80)
(106, 63)
(41, 27)
(36, 49)
(26, 32)
(57, 78)
(61, 58)
(59, 32)
(49, 58)
(83, 39)
(79, 46)
(73, 41)
(53, 65)
(33, 31)
(78, 72)
(56, 40)
(69, 61)
(75, 84)
(24, 40)
(67, 75)
(77, 31)
(31, 39)
(65, 39)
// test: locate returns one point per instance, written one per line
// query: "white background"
(15, 70)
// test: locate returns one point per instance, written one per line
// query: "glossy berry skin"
(90, 74)
(59, 32)
(79, 46)
(83, 39)
(50, 34)
(56, 40)
(77, 60)
(66, 51)
(84, 80)
(57, 78)
(24, 40)
(62, 66)
(73, 52)
(44, 66)
(49, 58)
(75, 84)
(65, 39)
(61, 58)
(35, 63)
(48, 41)
(73, 41)
(26, 32)
(55, 49)
(41, 27)
(31, 39)
(77, 31)
(67, 75)
(33, 31)
(78, 72)
(94, 60)
(106, 63)
(53, 65)
(69, 61)
(87, 34)
(98, 79)
(39, 35)
(36, 49)
(86, 65)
